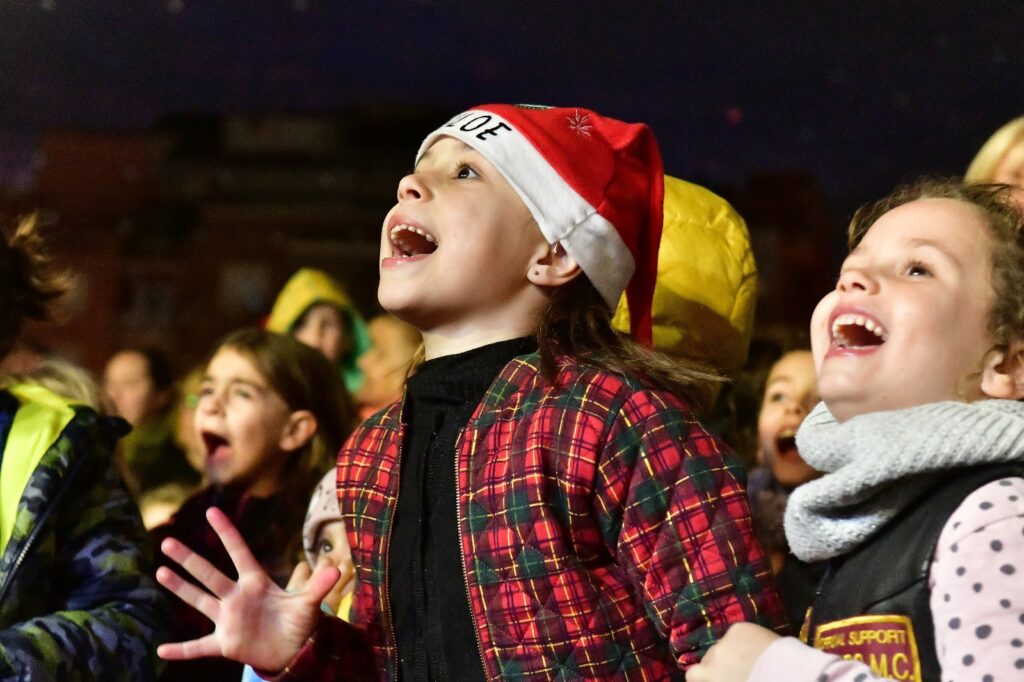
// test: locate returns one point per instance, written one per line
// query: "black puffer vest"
(872, 605)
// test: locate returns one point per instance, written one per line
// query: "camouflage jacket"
(77, 596)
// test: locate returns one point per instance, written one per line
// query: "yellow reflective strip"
(39, 421)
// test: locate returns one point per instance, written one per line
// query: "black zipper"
(462, 555)
(65, 485)
(386, 587)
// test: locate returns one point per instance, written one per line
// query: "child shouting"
(271, 414)
(921, 433)
(543, 503)
(790, 392)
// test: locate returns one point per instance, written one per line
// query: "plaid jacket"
(605, 534)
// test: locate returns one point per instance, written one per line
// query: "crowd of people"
(511, 473)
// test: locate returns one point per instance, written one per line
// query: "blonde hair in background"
(65, 379)
(157, 505)
(995, 149)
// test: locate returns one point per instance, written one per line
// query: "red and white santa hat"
(594, 184)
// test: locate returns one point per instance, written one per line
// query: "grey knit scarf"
(878, 463)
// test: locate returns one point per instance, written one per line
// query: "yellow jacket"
(308, 287)
(707, 280)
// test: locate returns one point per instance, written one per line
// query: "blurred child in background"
(386, 363)
(703, 303)
(1001, 159)
(140, 383)
(790, 392)
(66, 379)
(184, 419)
(271, 414)
(316, 310)
(157, 505)
(325, 544)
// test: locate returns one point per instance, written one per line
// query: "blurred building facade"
(177, 235)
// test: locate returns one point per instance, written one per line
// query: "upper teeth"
(411, 228)
(848, 319)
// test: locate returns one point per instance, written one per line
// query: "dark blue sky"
(862, 94)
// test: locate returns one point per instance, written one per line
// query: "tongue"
(222, 451)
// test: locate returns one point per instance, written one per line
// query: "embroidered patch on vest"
(886, 643)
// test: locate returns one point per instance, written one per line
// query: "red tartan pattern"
(605, 532)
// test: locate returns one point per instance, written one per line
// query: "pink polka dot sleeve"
(977, 598)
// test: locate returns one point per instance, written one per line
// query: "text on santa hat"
(479, 123)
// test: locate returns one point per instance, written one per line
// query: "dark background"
(189, 154)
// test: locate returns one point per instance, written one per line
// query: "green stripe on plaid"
(606, 533)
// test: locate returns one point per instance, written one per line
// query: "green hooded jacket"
(309, 287)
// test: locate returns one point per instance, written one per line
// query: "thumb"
(320, 583)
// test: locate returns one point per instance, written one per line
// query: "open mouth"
(216, 446)
(408, 241)
(785, 444)
(857, 331)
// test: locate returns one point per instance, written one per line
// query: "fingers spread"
(187, 592)
(201, 569)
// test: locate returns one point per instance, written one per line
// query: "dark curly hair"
(28, 282)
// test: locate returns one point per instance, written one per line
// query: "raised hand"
(256, 622)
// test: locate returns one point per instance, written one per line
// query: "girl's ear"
(552, 267)
(299, 430)
(1003, 373)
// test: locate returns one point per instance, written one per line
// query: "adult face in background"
(128, 381)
